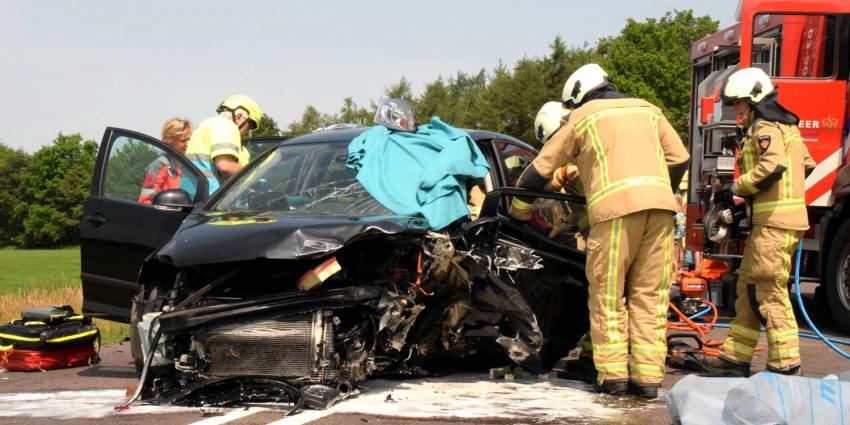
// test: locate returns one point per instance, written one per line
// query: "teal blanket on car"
(418, 174)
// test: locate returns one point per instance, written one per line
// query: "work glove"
(520, 210)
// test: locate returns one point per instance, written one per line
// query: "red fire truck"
(804, 45)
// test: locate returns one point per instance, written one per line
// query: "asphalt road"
(86, 396)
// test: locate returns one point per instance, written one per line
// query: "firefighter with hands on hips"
(773, 165)
(216, 145)
(629, 159)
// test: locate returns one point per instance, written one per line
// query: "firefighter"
(216, 145)
(629, 160)
(546, 123)
(773, 165)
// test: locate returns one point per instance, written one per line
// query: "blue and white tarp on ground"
(764, 398)
(418, 174)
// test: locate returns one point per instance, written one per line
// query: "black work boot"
(794, 371)
(581, 369)
(718, 366)
(613, 386)
(644, 390)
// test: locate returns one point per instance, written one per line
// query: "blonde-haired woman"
(164, 173)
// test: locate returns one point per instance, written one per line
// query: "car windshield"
(309, 178)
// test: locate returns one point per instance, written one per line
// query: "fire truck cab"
(804, 45)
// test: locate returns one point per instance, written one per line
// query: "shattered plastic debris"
(212, 411)
(320, 245)
(511, 257)
(321, 397)
(318, 275)
(441, 250)
(397, 320)
(508, 257)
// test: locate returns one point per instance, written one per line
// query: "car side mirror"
(483, 230)
(173, 199)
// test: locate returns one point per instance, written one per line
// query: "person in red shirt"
(164, 173)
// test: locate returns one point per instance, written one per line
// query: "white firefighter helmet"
(548, 120)
(581, 82)
(750, 84)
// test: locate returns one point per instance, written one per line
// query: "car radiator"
(294, 346)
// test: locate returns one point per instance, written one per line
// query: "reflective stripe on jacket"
(773, 162)
(214, 137)
(160, 175)
(622, 148)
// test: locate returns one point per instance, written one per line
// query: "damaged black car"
(292, 283)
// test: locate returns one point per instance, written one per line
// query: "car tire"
(837, 277)
(141, 304)
(136, 313)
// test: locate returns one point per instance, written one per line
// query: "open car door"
(118, 230)
(557, 288)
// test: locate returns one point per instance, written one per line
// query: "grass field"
(45, 277)
(39, 268)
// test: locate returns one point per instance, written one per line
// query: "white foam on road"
(456, 396)
(474, 396)
(75, 404)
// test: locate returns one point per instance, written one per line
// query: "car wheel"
(141, 305)
(136, 313)
(837, 277)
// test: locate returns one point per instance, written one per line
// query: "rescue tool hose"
(803, 309)
(802, 334)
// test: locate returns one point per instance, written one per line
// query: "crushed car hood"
(224, 237)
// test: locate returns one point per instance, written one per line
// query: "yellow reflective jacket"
(622, 148)
(773, 164)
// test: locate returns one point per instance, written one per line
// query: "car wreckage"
(293, 284)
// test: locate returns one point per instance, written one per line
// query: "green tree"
(433, 101)
(399, 90)
(55, 186)
(512, 99)
(458, 101)
(13, 162)
(563, 61)
(351, 113)
(311, 120)
(128, 160)
(267, 127)
(651, 60)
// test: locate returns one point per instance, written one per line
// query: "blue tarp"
(764, 398)
(418, 174)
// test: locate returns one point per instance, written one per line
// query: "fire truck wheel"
(838, 277)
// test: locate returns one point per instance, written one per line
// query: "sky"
(81, 66)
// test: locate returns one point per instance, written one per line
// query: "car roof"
(348, 134)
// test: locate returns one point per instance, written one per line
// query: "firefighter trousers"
(763, 276)
(628, 269)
